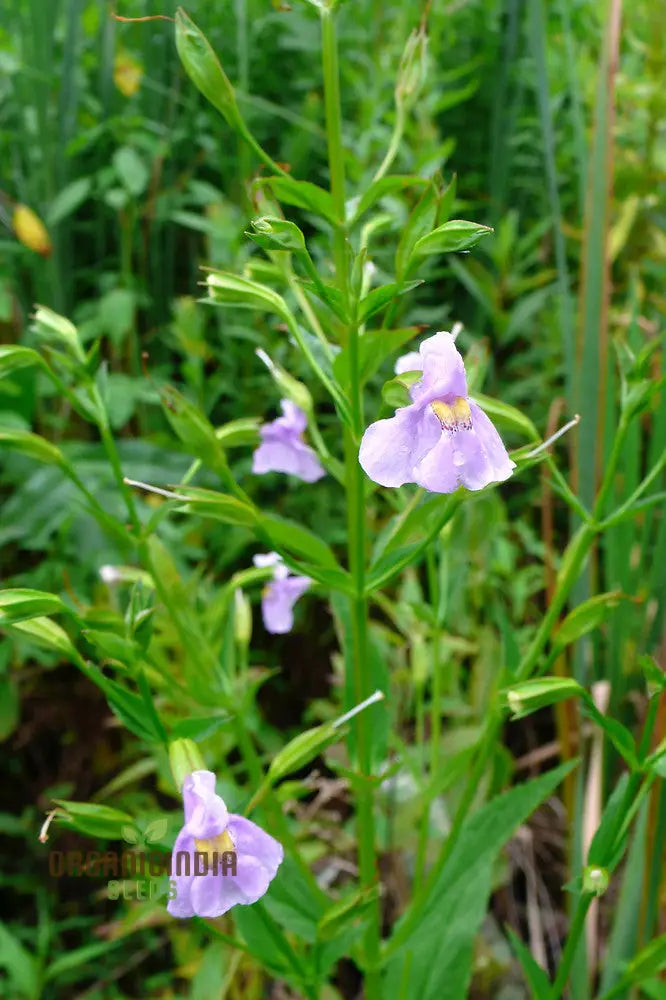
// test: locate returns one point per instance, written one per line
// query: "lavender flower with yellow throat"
(443, 440)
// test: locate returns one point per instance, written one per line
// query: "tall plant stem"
(356, 651)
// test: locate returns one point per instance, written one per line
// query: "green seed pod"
(204, 69)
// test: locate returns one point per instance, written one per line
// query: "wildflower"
(283, 449)
(212, 831)
(443, 439)
(280, 595)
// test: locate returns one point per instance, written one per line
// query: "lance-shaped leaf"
(586, 617)
(451, 237)
(273, 233)
(33, 445)
(13, 357)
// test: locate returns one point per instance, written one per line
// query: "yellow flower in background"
(127, 73)
(31, 231)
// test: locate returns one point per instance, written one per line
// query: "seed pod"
(204, 69)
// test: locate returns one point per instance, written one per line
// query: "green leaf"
(68, 200)
(395, 392)
(303, 194)
(13, 357)
(586, 617)
(21, 603)
(384, 186)
(294, 538)
(94, 819)
(440, 944)
(451, 237)
(374, 346)
(507, 416)
(195, 728)
(132, 709)
(33, 445)
(192, 427)
(132, 171)
(537, 978)
(46, 633)
(380, 297)
(9, 707)
(420, 222)
(21, 968)
(80, 958)
(650, 961)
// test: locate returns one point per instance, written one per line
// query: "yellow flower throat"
(453, 416)
(216, 845)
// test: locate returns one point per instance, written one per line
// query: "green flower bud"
(277, 234)
(52, 326)
(242, 618)
(204, 70)
(290, 386)
(412, 70)
(595, 880)
(184, 757)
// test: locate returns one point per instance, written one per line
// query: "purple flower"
(279, 597)
(443, 439)
(211, 831)
(283, 449)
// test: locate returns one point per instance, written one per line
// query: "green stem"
(394, 144)
(573, 939)
(356, 653)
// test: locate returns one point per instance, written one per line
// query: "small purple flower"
(211, 830)
(443, 439)
(283, 449)
(279, 597)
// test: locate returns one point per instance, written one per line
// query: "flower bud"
(242, 618)
(595, 880)
(204, 70)
(51, 325)
(184, 758)
(277, 234)
(290, 386)
(412, 70)
(31, 231)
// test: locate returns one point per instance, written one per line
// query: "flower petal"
(288, 455)
(250, 840)
(278, 602)
(437, 472)
(212, 895)
(205, 813)
(472, 458)
(182, 906)
(443, 370)
(293, 418)
(411, 362)
(391, 448)
(486, 458)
